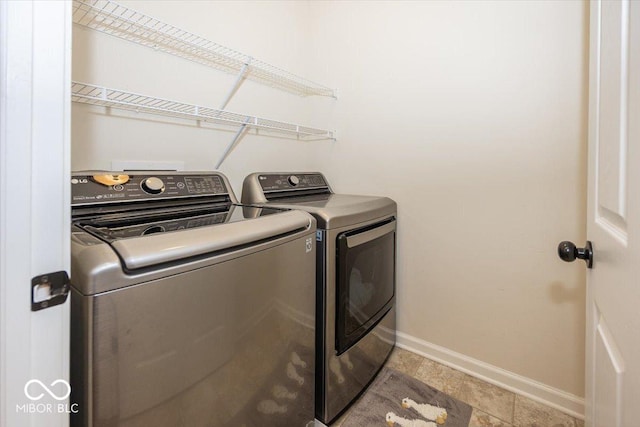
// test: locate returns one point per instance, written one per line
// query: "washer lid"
(161, 248)
(147, 241)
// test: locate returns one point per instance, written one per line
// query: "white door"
(613, 223)
(35, 51)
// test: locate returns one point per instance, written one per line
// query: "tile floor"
(492, 405)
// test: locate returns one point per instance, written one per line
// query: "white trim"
(15, 88)
(549, 396)
(3, 241)
(35, 76)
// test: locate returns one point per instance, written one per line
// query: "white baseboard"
(552, 397)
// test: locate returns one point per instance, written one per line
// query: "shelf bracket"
(236, 139)
(242, 75)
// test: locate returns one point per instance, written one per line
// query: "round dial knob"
(153, 185)
(294, 180)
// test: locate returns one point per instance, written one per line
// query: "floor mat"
(382, 403)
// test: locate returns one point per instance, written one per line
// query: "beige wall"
(471, 115)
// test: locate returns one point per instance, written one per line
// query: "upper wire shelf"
(112, 18)
(98, 95)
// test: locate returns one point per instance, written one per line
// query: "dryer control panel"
(302, 181)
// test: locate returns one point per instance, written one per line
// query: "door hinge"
(49, 289)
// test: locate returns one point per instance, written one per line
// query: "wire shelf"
(98, 95)
(112, 18)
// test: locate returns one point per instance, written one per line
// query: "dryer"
(355, 284)
(188, 309)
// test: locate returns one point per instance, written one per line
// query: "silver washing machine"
(188, 309)
(356, 259)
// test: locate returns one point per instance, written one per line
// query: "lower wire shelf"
(86, 93)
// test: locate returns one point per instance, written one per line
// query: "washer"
(188, 309)
(356, 251)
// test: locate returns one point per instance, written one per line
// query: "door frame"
(35, 81)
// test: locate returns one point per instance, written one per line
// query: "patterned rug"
(382, 403)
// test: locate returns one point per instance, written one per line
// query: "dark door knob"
(568, 252)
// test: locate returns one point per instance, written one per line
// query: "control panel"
(302, 181)
(103, 187)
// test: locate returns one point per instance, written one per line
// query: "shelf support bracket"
(242, 75)
(236, 139)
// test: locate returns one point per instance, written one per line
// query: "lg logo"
(79, 181)
(47, 389)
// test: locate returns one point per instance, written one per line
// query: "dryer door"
(365, 280)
